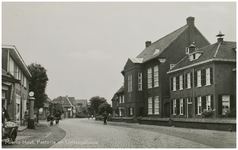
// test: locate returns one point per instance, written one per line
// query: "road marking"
(48, 135)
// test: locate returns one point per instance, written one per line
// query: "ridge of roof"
(161, 44)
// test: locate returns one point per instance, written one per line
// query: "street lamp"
(31, 118)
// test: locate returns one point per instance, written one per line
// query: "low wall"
(225, 124)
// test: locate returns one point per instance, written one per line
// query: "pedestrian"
(105, 117)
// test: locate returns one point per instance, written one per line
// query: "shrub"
(231, 113)
(208, 113)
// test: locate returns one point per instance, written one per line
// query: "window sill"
(199, 86)
(180, 89)
(208, 85)
(156, 86)
(174, 90)
(189, 88)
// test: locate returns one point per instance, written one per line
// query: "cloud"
(90, 54)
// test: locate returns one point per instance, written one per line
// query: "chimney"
(147, 43)
(220, 37)
(190, 21)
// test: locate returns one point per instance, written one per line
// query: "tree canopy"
(105, 107)
(96, 101)
(38, 84)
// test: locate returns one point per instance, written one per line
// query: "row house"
(146, 82)
(204, 80)
(68, 104)
(15, 83)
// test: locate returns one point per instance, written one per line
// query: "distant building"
(146, 82)
(15, 83)
(118, 103)
(81, 108)
(205, 79)
(68, 104)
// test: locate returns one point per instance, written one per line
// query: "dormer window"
(156, 51)
(194, 56)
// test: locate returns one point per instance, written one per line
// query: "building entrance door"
(141, 111)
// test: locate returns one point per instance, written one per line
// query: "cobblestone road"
(84, 133)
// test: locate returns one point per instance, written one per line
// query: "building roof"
(84, 102)
(121, 90)
(17, 57)
(65, 101)
(156, 48)
(220, 51)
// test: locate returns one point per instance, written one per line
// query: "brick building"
(146, 82)
(204, 80)
(15, 83)
(118, 103)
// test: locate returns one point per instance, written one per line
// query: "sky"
(84, 46)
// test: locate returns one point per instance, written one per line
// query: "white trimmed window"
(188, 80)
(119, 98)
(130, 83)
(122, 97)
(150, 105)
(174, 83)
(208, 102)
(11, 66)
(131, 111)
(225, 103)
(140, 81)
(199, 103)
(180, 82)
(208, 77)
(174, 106)
(25, 82)
(150, 78)
(181, 106)
(199, 79)
(156, 105)
(156, 76)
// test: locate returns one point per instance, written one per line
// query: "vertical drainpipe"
(193, 98)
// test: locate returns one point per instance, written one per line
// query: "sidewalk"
(43, 136)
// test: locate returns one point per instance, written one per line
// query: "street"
(88, 133)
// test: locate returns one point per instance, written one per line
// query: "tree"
(38, 85)
(105, 107)
(96, 101)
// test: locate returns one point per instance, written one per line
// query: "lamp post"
(31, 119)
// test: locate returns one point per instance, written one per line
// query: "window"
(174, 83)
(174, 106)
(199, 84)
(225, 103)
(181, 106)
(19, 75)
(180, 82)
(140, 81)
(16, 72)
(11, 66)
(208, 79)
(189, 100)
(150, 105)
(208, 102)
(156, 105)
(156, 76)
(199, 106)
(150, 78)
(130, 83)
(131, 111)
(122, 98)
(119, 99)
(25, 82)
(188, 80)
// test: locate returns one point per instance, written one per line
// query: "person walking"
(105, 117)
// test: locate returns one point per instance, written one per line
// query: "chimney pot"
(220, 37)
(190, 20)
(147, 43)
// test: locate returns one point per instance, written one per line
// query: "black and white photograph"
(118, 74)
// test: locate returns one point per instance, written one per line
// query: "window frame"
(199, 105)
(174, 107)
(156, 105)
(156, 76)
(199, 78)
(150, 106)
(149, 78)
(174, 83)
(180, 82)
(130, 83)
(181, 106)
(140, 81)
